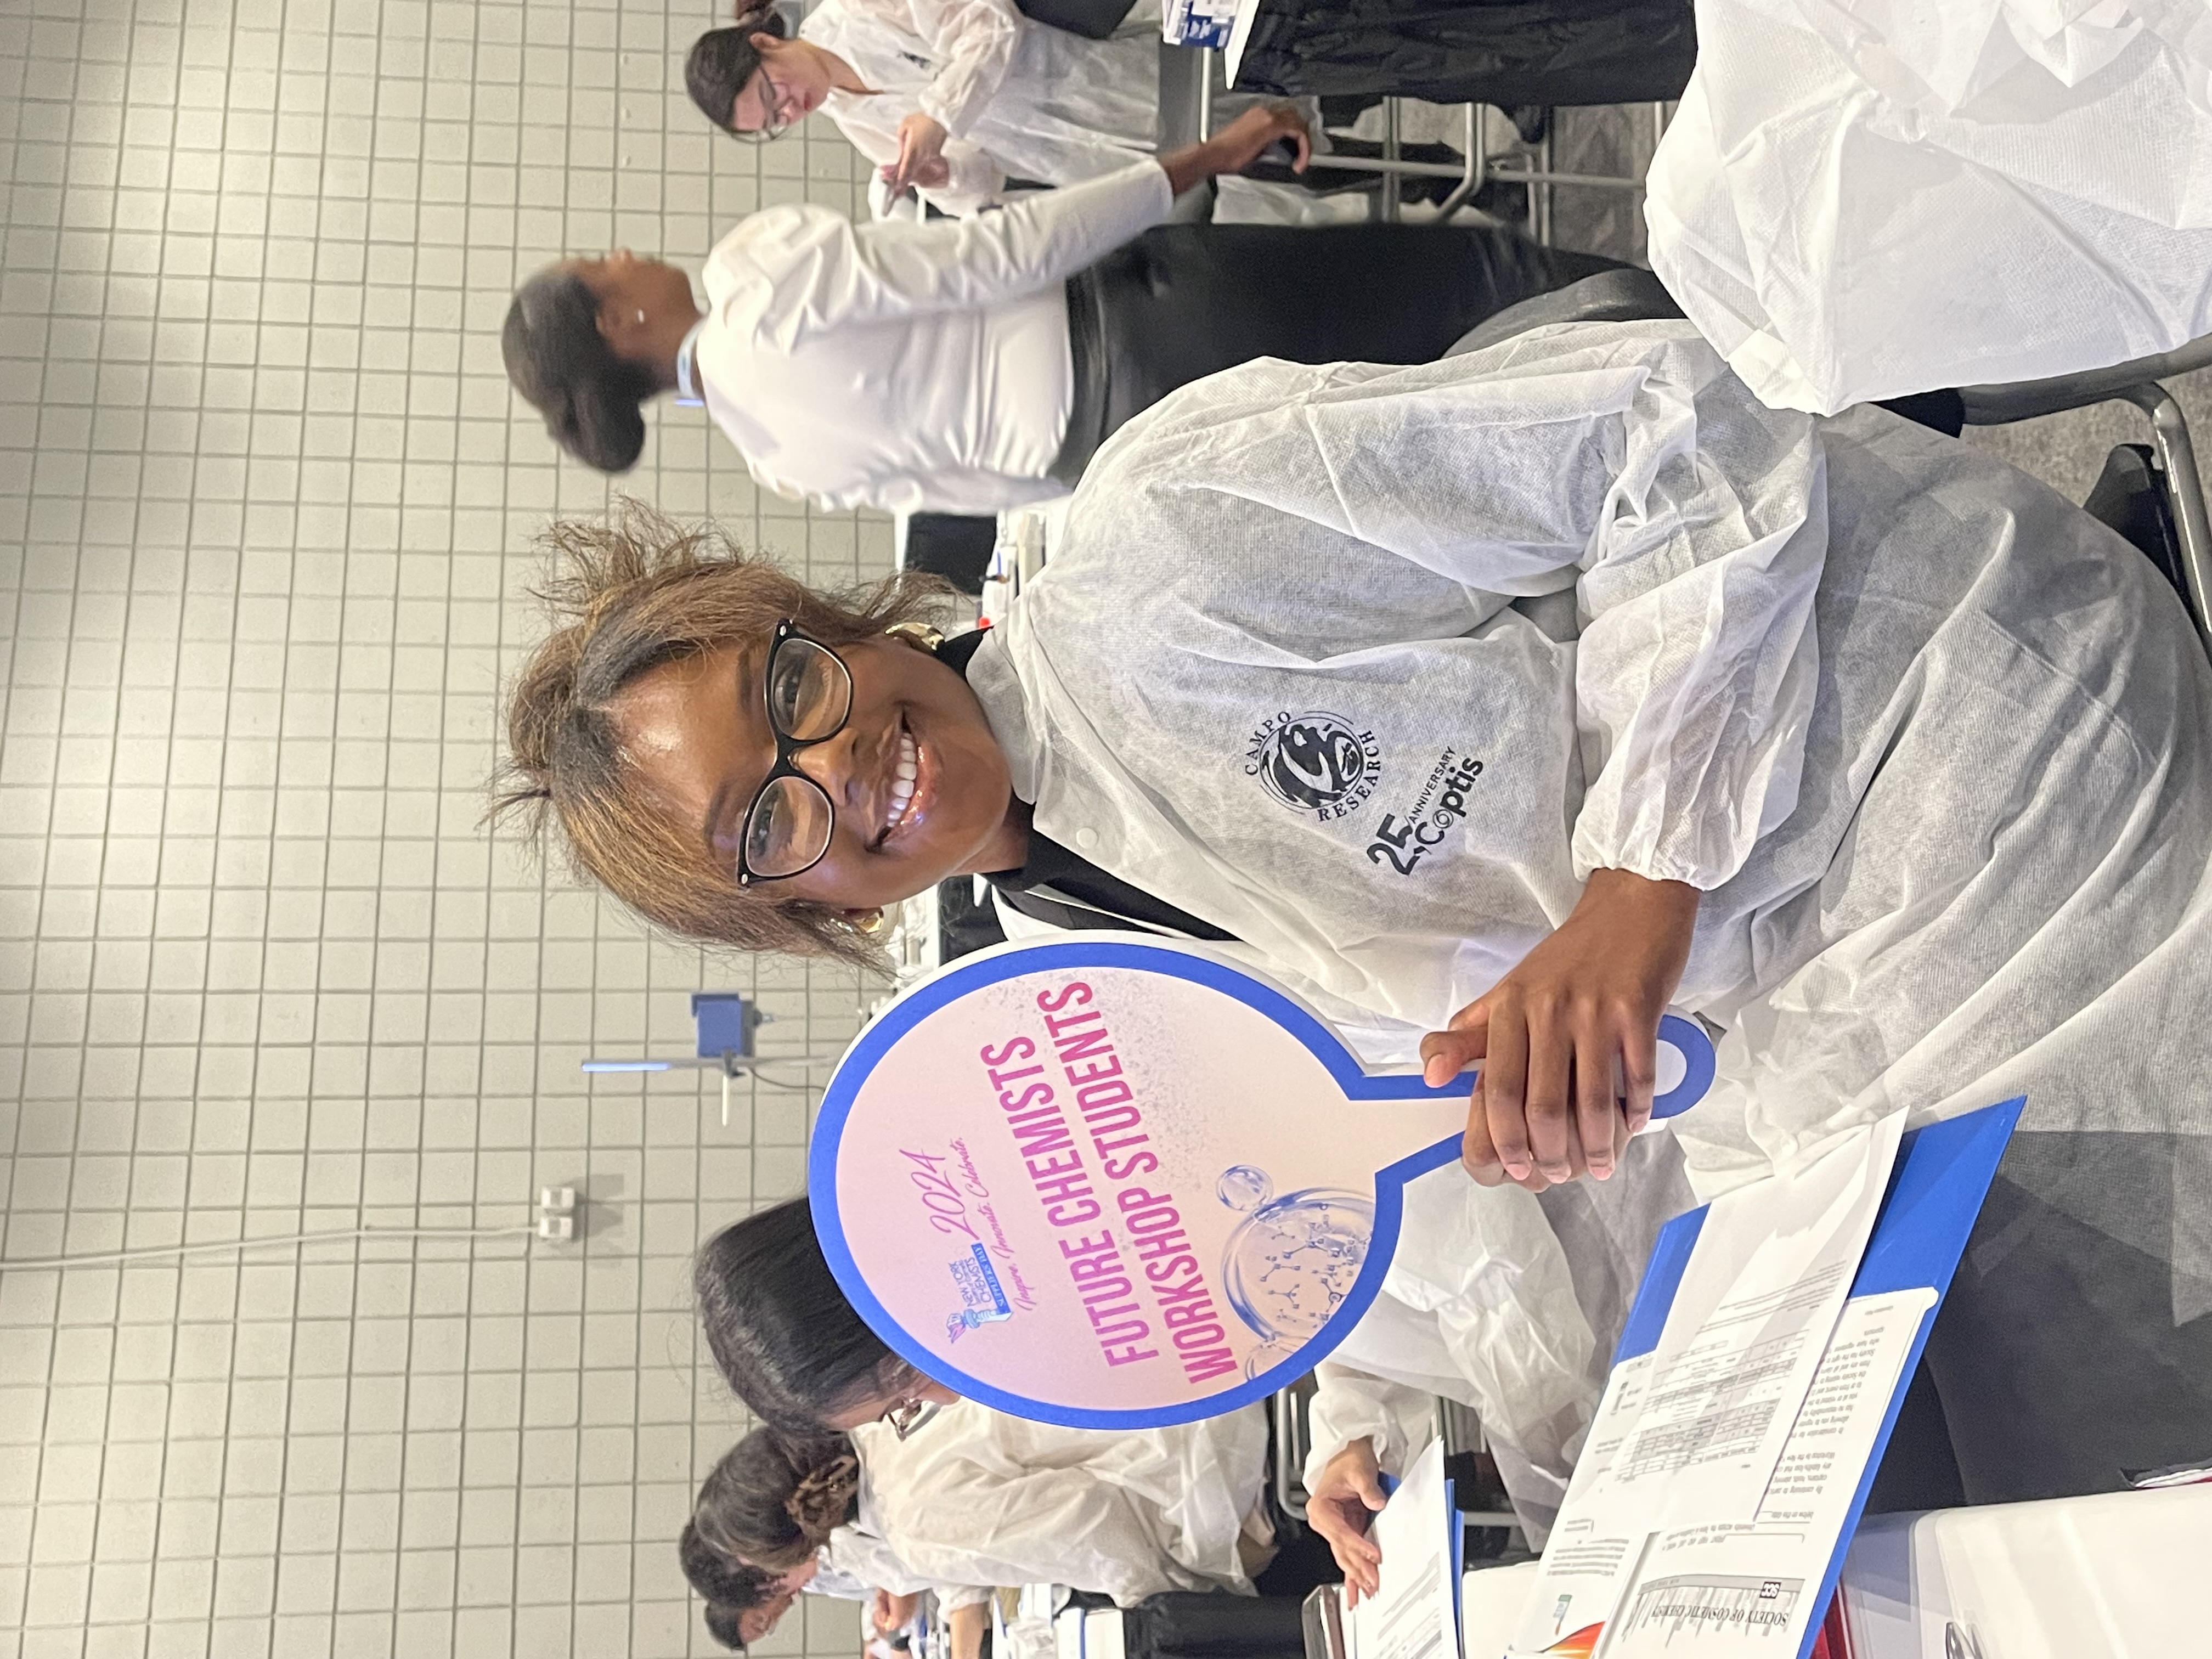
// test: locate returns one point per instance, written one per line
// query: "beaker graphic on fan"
(1292, 1260)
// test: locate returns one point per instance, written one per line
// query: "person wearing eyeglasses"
(1497, 705)
(744, 1602)
(953, 1491)
(975, 365)
(946, 97)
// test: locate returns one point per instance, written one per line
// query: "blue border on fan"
(875, 1043)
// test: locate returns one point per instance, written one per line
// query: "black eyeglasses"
(774, 101)
(908, 1415)
(809, 693)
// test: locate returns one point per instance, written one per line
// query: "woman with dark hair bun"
(561, 360)
(786, 1506)
(770, 1522)
(966, 1497)
(785, 1338)
(975, 365)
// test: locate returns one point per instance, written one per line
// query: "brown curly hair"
(625, 595)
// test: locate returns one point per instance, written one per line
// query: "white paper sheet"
(1416, 1614)
(1689, 1437)
(1753, 1588)
(1747, 1330)
(1593, 1549)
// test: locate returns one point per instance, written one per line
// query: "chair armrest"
(2000, 405)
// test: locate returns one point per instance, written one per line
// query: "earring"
(641, 316)
(919, 635)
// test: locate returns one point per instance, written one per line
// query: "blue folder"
(1943, 1173)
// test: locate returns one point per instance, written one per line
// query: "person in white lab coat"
(949, 97)
(1508, 1302)
(1497, 703)
(948, 1490)
(775, 1517)
(744, 1603)
(968, 1496)
(974, 366)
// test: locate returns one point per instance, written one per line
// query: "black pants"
(1183, 301)
(1190, 1624)
(1195, 1624)
(1505, 52)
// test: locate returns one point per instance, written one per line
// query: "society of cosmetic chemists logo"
(1316, 762)
(982, 1299)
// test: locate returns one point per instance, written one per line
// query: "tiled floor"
(266, 506)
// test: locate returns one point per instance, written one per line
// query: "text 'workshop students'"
(1870, 748)
(974, 365)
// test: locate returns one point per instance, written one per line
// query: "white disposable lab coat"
(1860, 199)
(976, 1497)
(1508, 1302)
(856, 1563)
(1932, 741)
(1019, 99)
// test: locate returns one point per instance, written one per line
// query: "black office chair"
(2152, 493)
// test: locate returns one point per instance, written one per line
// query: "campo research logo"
(1314, 762)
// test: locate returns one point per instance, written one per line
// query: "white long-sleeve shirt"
(1018, 99)
(855, 1563)
(976, 1497)
(907, 367)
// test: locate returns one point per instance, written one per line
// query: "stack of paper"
(1415, 1614)
(1727, 1458)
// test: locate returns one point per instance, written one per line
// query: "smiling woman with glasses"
(1500, 704)
(848, 727)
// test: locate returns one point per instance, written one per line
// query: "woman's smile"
(905, 790)
(917, 781)
(904, 800)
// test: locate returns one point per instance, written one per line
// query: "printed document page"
(1593, 1549)
(1689, 1435)
(1416, 1614)
(1753, 1588)
(1747, 1329)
